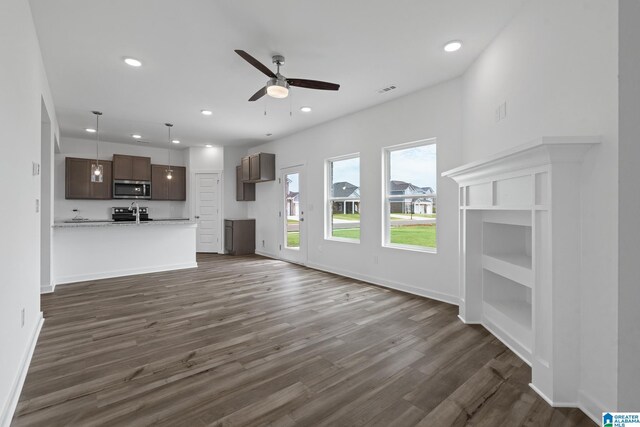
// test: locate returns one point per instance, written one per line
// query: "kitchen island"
(90, 250)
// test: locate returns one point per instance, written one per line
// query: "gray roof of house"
(345, 189)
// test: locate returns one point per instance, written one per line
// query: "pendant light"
(97, 172)
(169, 171)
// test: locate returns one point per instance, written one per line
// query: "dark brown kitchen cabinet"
(240, 236)
(245, 192)
(78, 183)
(168, 189)
(259, 167)
(131, 168)
(246, 174)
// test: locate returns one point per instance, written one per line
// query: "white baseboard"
(587, 404)
(449, 299)
(550, 401)
(438, 296)
(48, 289)
(268, 255)
(16, 389)
(119, 273)
(591, 406)
(512, 344)
(466, 322)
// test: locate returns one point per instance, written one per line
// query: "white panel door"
(208, 212)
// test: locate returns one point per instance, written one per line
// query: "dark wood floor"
(253, 341)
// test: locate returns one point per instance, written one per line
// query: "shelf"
(511, 321)
(515, 311)
(515, 267)
(498, 208)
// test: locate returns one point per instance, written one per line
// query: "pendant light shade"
(97, 171)
(169, 171)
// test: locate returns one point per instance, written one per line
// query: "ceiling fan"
(278, 85)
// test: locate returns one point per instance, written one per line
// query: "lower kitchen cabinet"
(78, 183)
(240, 236)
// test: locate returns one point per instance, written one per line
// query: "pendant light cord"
(98, 114)
(169, 171)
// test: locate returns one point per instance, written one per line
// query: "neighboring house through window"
(343, 198)
(410, 195)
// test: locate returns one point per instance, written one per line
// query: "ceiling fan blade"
(259, 94)
(313, 84)
(253, 61)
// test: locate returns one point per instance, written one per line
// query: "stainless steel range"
(129, 214)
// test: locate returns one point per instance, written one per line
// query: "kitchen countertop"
(110, 223)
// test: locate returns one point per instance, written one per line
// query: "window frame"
(386, 206)
(328, 208)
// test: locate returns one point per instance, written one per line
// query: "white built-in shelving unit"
(519, 255)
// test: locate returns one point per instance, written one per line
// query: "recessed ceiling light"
(175, 141)
(136, 136)
(133, 62)
(209, 146)
(452, 46)
(206, 112)
(305, 109)
(90, 130)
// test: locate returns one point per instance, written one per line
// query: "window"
(410, 196)
(343, 198)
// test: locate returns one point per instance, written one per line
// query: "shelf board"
(512, 319)
(515, 267)
(498, 208)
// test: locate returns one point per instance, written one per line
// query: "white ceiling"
(186, 48)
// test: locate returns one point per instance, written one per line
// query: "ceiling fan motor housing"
(278, 87)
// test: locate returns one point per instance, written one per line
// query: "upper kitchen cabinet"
(78, 183)
(131, 168)
(245, 192)
(259, 167)
(163, 188)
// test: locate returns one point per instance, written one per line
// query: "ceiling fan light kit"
(277, 88)
(278, 85)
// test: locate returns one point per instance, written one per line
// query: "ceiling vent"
(387, 89)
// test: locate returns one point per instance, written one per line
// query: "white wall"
(555, 65)
(23, 85)
(433, 112)
(233, 208)
(206, 158)
(629, 209)
(101, 209)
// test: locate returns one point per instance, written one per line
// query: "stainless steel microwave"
(125, 189)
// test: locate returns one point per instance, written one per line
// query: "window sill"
(411, 248)
(343, 240)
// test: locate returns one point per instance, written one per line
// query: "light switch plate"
(35, 168)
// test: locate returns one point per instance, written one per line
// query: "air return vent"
(387, 89)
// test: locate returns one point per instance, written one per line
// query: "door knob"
(197, 217)
(301, 219)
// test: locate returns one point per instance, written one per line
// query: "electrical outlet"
(22, 319)
(263, 243)
(35, 168)
(37, 205)
(501, 111)
(375, 259)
